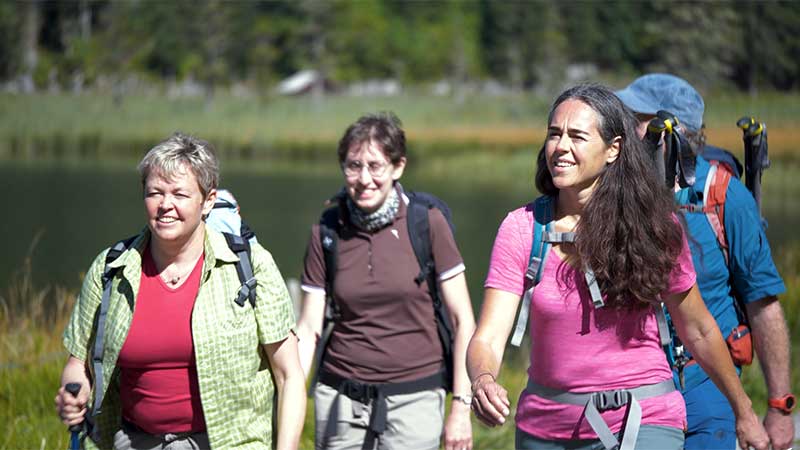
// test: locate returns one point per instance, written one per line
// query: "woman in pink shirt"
(598, 376)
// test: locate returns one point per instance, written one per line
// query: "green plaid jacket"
(236, 389)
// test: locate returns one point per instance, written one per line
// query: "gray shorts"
(650, 437)
(413, 421)
(131, 438)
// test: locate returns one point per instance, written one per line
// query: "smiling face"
(175, 206)
(576, 153)
(369, 191)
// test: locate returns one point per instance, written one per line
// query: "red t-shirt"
(158, 375)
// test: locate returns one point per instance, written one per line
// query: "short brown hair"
(383, 128)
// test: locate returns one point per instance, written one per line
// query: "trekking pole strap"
(597, 402)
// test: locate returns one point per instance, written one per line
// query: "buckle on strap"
(615, 399)
(359, 392)
(246, 290)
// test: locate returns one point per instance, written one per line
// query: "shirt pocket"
(224, 289)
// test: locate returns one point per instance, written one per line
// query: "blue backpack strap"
(419, 233)
(98, 350)
(244, 268)
(543, 213)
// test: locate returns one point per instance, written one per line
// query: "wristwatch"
(784, 404)
(465, 399)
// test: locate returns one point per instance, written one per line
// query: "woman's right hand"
(490, 401)
(71, 409)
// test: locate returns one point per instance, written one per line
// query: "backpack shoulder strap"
(329, 238)
(714, 194)
(244, 268)
(419, 233)
(543, 217)
(98, 351)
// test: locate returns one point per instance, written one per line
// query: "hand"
(780, 428)
(490, 401)
(458, 428)
(750, 432)
(70, 408)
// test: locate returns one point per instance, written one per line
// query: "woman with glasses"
(380, 377)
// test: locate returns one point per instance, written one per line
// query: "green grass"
(91, 126)
(31, 358)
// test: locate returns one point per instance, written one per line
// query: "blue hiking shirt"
(752, 273)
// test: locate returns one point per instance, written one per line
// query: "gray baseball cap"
(651, 93)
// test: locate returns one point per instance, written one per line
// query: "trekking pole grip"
(74, 389)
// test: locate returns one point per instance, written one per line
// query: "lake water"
(76, 211)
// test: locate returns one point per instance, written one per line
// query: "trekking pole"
(74, 439)
(756, 156)
(656, 129)
(680, 160)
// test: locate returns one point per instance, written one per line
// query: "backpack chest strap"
(559, 237)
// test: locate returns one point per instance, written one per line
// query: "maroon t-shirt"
(158, 375)
(387, 331)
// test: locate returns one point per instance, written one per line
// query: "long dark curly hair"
(627, 232)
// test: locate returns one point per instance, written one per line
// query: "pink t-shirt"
(577, 348)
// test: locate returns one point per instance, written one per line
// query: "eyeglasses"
(353, 169)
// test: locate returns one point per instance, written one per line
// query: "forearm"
(482, 359)
(463, 333)
(709, 350)
(306, 346)
(291, 410)
(771, 342)
(485, 352)
(309, 328)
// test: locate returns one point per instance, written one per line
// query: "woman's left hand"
(750, 432)
(458, 428)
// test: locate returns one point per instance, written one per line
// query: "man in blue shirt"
(749, 273)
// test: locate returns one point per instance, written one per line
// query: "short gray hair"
(168, 157)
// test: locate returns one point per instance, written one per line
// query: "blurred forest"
(514, 45)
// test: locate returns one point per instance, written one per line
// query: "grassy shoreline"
(91, 126)
(32, 319)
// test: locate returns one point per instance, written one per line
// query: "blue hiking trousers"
(711, 423)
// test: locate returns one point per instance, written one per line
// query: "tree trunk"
(85, 19)
(30, 37)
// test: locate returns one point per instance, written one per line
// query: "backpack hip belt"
(377, 393)
(597, 402)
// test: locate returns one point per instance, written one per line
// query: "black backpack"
(420, 236)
